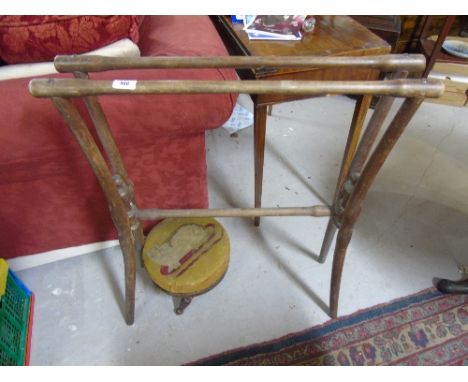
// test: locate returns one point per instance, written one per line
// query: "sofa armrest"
(121, 48)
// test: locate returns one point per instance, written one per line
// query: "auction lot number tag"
(124, 84)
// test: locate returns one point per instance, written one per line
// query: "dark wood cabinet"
(386, 27)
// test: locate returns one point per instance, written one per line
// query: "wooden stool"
(186, 256)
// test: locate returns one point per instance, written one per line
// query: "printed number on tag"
(124, 84)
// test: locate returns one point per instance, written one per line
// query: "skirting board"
(31, 261)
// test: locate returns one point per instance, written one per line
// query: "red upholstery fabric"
(57, 203)
(195, 37)
(134, 119)
(41, 38)
(51, 199)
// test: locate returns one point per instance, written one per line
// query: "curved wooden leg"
(120, 177)
(363, 184)
(118, 209)
(355, 156)
(260, 116)
(342, 242)
(129, 255)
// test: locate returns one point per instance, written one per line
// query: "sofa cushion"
(40, 38)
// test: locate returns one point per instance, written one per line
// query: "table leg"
(360, 112)
(260, 118)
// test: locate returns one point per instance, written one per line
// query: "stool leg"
(184, 302)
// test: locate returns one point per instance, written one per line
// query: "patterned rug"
(427, 328)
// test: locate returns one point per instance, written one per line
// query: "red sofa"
(50, 198)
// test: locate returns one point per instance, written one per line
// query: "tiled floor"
(414, 227)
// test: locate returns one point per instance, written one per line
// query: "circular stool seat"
(186, 256)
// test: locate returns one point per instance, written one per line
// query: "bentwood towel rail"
(349, 194)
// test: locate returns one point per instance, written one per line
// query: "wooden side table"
(332, 36)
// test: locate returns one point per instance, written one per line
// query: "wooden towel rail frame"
(353, 183)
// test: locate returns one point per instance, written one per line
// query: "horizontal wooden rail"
(82, 87)
(154, 214)
(389, 62)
